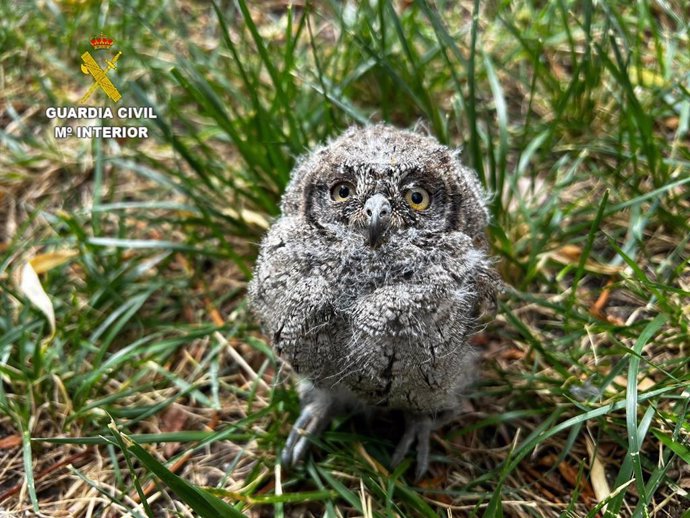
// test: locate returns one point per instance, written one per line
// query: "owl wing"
(292, 295)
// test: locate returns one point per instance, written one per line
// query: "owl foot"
(313, 419)
(417, 428)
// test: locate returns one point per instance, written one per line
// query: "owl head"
(379, 180)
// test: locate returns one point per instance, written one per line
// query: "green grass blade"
(29, 469)
(201, 501)
(631, 403)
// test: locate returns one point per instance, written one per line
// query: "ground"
(157, 395)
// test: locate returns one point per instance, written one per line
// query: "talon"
(423, 438)
(403, 446)
(417, 428)
(311, 422)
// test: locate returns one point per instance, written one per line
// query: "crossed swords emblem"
(100, 79)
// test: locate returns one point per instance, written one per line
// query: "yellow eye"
(342, 191)
(418, 198)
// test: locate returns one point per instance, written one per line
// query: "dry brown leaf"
(30, 285)
(643, 383)
(598, 307)
(570, 254)
(512, 354)
(44, 262)
(570, 474)
(597, 474)
(671, 123)
(615, 320)
(213, 312)
(248, 216)
(174, 420)
(435, 483)
(11, 441)
(480, 340)
(544, 484)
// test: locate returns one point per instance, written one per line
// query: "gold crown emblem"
(101, 42)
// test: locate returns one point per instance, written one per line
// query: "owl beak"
(378, 210)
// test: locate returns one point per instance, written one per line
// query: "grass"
(157, 395)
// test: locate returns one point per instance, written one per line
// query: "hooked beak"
(378, 210)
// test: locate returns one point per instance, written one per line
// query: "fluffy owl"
(372, 280)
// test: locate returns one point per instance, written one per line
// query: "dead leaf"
(479, 340)
(216, 318)
(512, 354)
(248, 216)
(643, 383)
(672, 123)
(599, 306)
(570, 474)
(570, 254)
(545, 484)
(44, 262)
(174, 420)
(597, 474)
(11, 441)
(30, 285)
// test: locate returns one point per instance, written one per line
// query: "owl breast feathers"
(376, 272)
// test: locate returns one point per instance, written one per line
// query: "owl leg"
(417, 427)
(313, 419)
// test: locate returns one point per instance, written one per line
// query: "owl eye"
(342, 191)
(418, 198)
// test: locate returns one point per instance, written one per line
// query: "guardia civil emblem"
(99, 75)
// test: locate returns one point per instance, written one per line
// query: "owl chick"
(372, 280)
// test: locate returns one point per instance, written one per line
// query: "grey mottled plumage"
(371, 281)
